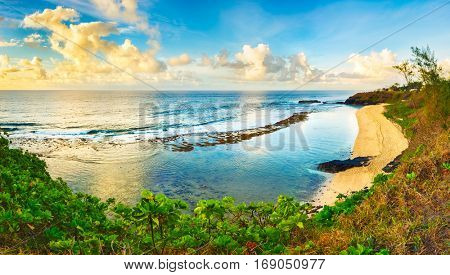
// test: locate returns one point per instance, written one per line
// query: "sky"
(214, 45)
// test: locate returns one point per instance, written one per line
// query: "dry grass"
(405, 215)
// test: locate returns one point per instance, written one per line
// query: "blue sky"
(326, 32)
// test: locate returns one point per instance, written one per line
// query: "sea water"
(106, 142)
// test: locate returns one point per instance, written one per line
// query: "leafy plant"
(360, 249)
(407, 70)
(411, 176)
(446, 165)
(427, 64)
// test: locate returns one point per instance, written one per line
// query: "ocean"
(117, 143)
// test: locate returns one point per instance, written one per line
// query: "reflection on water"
(258, 169)
(282, 162)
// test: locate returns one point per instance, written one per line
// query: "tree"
(426, 64)
(406, 69)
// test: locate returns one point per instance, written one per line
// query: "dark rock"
(314, 209)
(335, 166)
(230, 137)
(309, 101)
(391, 166)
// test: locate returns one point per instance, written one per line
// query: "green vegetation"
(427, 65)
(387, 95)
(406, 69)
(401, 113)
(404, 212)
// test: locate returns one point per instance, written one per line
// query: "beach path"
(379, 138)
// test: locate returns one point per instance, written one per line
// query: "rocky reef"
(309, 101)
(187, 142)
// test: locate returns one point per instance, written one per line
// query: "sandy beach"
(378, 138)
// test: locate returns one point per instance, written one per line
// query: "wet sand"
(378, 138)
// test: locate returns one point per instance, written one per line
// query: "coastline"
(378, 138)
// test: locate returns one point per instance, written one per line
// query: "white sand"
(379, 138)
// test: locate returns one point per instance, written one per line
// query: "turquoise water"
(102, 142)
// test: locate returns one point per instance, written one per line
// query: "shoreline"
(379, 138)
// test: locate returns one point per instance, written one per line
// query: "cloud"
(181, 60)
(445, 65)
(376, 65)
(34, 66)
(78, 43)
(4, 61)
(221, 59)
(24, 69)
(205, 60)
(33, 40)
(10, 43)
(253, 60)
(124, 11)
(300, 62)
(371, 70)
(51, 18)
(259, 64)
(297, 69)
(346, 75)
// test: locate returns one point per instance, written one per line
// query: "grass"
(402, 114)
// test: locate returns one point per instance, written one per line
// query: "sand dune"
(377, 137)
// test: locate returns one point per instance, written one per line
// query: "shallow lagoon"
(98, 141)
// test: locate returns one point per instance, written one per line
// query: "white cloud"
(181, 60)
(301, 62)
(259, 64)
(376, 65)
(221, 59)
(124, 11)
(300, 70)
(10, 43)
(365, 71)
(4, 61)
(445, 65)
(50, 18)
(33, 40)
(24, 69)
(253, 60)
(78, 43)
(205, 60)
